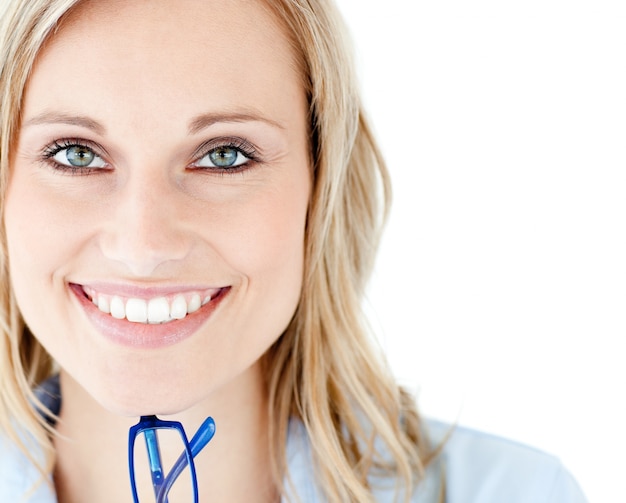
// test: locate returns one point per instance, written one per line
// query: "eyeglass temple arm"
(154, 459)
(199, 441)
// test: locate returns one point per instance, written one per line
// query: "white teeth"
(179, 308)
(103, 304)
(158, 310)
(194, 303)
(137, 310)
(117, 308)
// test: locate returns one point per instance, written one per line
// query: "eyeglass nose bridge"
(162, 483)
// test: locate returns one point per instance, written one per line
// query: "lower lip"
(145, 335)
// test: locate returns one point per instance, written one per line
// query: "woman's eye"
(78, 156)
(222, 157)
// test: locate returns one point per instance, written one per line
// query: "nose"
(145, 228)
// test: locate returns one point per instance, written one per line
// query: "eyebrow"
(63, 118)
(196, 125)
(206, 120)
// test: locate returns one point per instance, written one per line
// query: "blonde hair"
(24, 26)
(325, 369)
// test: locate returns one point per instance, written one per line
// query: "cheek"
(26, 234)
(265, 237)
(41, 241)
(266, 246)
(27, 255)
(38, 230)
(273, 240)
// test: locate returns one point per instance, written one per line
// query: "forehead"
(143, 25)
(112, 53)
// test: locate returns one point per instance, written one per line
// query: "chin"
(135, 401)
(145, 408)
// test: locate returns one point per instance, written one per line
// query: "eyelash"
(239, 144)
(63, 144)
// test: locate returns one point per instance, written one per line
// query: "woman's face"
(156, 208)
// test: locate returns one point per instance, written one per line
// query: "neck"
(231, 468)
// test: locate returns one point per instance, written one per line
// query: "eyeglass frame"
(162, 483)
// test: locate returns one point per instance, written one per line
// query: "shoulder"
(20, 480)
(19, 477)
(481, 468)
(477, 468)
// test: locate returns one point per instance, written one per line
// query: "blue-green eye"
(78, 156)
(223, 157)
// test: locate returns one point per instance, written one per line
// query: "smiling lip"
(144, 335)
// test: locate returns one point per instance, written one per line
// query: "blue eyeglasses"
(150, 427)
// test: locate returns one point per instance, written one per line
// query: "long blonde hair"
(325, 369)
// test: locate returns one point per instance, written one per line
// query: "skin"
(156, 217)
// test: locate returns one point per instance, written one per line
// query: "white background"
(500, 290)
